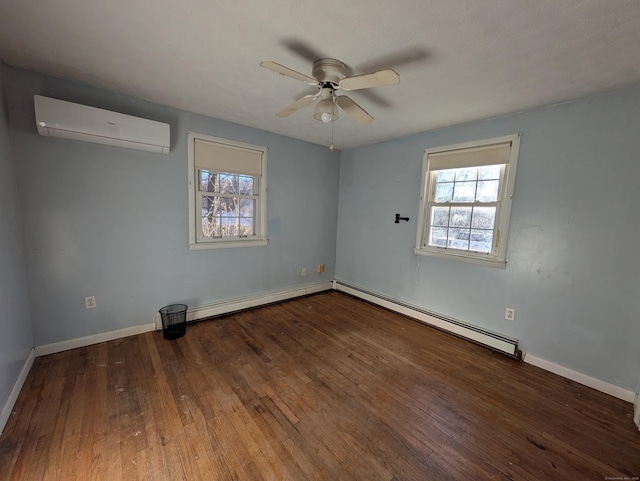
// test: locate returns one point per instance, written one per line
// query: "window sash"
(432, 183)
(256, 213)
(203, 239)
(426, 233)
(255, 187)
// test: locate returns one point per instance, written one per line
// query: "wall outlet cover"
(90, 302)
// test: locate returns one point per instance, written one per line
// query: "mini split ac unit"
(57, 118)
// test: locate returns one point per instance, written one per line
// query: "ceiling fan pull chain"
(331, 147)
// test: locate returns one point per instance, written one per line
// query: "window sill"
(448, 254)
(224, 244)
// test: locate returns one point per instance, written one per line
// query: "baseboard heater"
(220, 308)
(496, 342)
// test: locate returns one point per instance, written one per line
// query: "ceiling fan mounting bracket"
(328, 85)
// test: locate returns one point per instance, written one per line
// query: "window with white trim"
(227, 193)
(465, 201)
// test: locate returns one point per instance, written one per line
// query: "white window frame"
(497, 257)
(195, 219)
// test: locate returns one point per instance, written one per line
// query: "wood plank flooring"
(325, 387)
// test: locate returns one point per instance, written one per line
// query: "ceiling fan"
(329, 76)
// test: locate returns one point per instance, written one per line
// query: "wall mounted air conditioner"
(57, 118)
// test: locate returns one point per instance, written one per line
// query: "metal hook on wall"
(398, 218)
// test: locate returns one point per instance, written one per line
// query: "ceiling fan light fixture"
(326, 111)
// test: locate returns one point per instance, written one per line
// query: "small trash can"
(174, 320)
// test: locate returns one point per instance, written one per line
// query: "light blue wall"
(572, 273)
(16, 339)
(113, 222)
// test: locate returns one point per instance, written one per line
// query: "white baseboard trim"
(15, 391)
(489, 339)
(95, 339)
(241, 303)
(581, 378)
(636, 410)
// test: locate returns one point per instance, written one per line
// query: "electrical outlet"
(303, 272)
(90, 302)
(510, 314)
(320, 268)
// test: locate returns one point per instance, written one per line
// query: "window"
(227, 193)
(465, 202)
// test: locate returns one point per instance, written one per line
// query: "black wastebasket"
(174, 320)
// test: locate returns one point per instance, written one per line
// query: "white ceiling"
(459, 60)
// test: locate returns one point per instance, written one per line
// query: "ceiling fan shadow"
(400, 58)
(302, 49)
(375, 98)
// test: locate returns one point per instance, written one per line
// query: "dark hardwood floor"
(320, 388)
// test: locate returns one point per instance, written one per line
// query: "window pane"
(438, 237)
(481, 240)
(228, 183)
(208, 181)
(210, 226)
(246, 185)
(489, 172)
(487, 191)
(246, 226)
(458, 239)
(247, 207)
(483, 217)
(228, 206)
(464, 192)
(229, 226)
(444, 192)
(460, 217)
(446, 175)
(440, 216)
(208, 205)
(466, 174)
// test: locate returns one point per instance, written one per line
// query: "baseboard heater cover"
(221, 308)
(492, 340)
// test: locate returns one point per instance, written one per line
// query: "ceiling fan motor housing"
(328, 70)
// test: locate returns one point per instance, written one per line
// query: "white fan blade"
(356, 112)
(287, 72)
(368, 80)
(298, 104)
